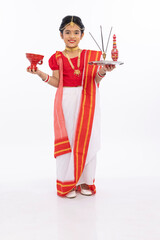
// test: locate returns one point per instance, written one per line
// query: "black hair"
(66, 20)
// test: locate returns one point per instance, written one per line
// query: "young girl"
(76, 110)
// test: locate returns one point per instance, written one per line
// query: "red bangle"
(47, 79)
(101, 76)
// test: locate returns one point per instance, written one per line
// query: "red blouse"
(69, 78)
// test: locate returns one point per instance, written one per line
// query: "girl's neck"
(72, 52)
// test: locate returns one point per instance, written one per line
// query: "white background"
(130, 96)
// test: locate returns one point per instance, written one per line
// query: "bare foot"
(85, 186)
(85, 190)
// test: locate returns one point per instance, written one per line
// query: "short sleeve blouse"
(69, 78)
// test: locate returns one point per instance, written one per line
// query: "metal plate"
(102, 62)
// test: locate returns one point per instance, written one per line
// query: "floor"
(122, 209)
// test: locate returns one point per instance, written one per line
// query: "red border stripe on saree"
(86, 115)
(61, 146)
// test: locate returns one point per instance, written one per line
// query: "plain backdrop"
(130, 95)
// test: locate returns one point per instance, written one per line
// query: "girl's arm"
(102, 72)
(53, 80)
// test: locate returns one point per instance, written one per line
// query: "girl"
(76, 110)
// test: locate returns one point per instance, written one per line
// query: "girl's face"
(72, 36)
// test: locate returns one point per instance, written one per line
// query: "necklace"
(76, 71)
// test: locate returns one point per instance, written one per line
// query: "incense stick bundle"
(102, 49)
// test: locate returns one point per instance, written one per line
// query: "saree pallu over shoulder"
(61, 144)
(84, 121)
(86, 114)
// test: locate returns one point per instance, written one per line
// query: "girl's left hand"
(109, 68)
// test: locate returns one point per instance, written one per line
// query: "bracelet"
(47, 79)
(101, 75)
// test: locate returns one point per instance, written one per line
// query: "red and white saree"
(77, 128)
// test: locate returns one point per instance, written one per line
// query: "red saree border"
(61, 146)
(86, 114)
(62, 187)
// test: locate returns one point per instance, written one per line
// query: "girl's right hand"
(36, 71)
(33, 71)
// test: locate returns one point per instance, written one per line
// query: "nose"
(72, 35)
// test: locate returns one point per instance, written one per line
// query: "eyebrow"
(77, 30)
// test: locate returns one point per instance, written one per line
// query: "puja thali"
(114, 52)
(104, 62)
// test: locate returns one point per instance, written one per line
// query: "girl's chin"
(71, 46)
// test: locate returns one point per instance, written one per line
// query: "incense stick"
(102, 39)
(95, 42)
(108, 40)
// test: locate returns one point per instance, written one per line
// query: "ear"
(82, 35)
(61, 35)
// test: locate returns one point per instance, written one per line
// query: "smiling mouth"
(72, 41)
